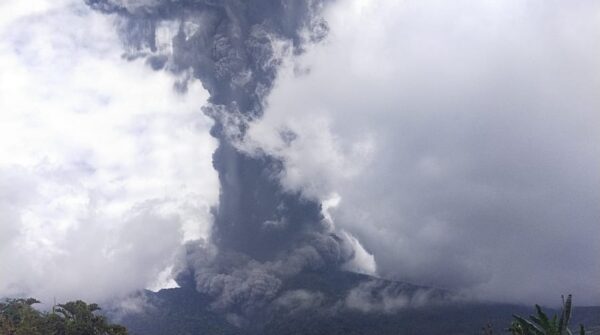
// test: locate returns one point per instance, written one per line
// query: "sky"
(105, 169)
(456, 143)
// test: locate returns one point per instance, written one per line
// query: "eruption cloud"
(262, 233)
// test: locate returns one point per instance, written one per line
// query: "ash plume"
(262, 233)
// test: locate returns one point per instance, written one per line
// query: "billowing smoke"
(384, 297)
(460, 136)
(262, 234)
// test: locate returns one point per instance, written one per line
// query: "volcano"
(321, 303)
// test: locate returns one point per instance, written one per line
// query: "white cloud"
(462, 138)
(363, 261)
(104, 169)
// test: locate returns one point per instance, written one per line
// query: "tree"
(541, 324)
(18, 317)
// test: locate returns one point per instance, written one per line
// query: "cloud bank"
(461, 138)
(105, 169)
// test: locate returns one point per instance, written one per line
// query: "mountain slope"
(331, 303)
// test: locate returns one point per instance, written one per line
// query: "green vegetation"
(541, 324)
(18, 317)
(185, 311)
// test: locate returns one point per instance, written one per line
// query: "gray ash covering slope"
(310, 303)
(262, 235)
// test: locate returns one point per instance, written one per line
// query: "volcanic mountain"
(333, 302)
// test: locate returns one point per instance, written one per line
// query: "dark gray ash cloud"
(262, 233)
